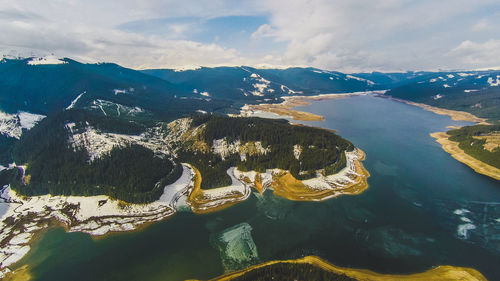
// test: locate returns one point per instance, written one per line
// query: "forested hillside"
(475, 92)
(79, 152)
(47, 89)
(258, 85)
(131, 173)
(301, 150)
(481, 142)
(291, 271)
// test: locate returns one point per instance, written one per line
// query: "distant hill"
(251, 84)
(477, 92)
(49, 88)
(44, 87)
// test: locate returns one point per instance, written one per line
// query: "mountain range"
(44, 87)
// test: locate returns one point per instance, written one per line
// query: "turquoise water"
(404, 223)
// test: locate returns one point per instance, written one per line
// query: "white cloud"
(353, 35)
(477, 55)
(80, 31)
(481, 25)
(366, 35)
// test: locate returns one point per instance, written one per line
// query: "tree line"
(321, 149)
(291, 271)
(475, 147)
(132, 173)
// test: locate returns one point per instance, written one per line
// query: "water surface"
(410, 219)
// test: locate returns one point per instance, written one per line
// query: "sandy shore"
(452, 148)
(286, 108)
(210, 200)
(441, 273)
(25, 217)
(454, 114)
(351, 180)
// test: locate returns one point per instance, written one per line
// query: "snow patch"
(98, 143)
(12, 125)
(360, 79)
(46, 60)
(96, 215)
(289, 91)
(460, 212)
(338, 180)
(223, 148)
(75, 101)
(465, 219)
(119, 91)
(261, 85)
(107, 107)
(494, 83)
(29, 120)
(297, 150)
(470, 91)
(173, 192)
(463, 230)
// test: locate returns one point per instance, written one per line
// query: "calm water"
(405, 222)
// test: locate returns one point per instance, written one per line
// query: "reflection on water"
(422, 209)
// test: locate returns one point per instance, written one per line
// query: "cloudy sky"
(348, 35)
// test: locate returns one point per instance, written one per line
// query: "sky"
(348, 36)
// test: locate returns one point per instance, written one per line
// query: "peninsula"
(203, 164)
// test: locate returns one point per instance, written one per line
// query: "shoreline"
(351, 180)
(455, 115)
(27, 217)
(441, 273)
(454, 150)
(286, 108)
(477, 165)
(99, 216)
(203, 201)
(452, 147)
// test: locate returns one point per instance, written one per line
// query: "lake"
(422, 208)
